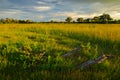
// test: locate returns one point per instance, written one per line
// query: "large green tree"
(8, 20)
(68, 19)
(2, 20)
(80, 20)
(105, 18)
(96, 19)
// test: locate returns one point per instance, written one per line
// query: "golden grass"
(104, 31)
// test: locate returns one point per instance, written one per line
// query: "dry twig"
(74, 51)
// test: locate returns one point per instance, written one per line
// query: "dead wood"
(74, 51)
(38, 57)
(98, 60)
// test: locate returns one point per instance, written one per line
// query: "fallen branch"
(38, 57)
(74, 51)
(95, 61)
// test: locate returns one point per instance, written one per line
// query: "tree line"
(10, 20)
(104, 18)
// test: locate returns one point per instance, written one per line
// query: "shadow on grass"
(21, 66)
(105, 45)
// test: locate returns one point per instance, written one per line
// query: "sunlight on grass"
(21, 46)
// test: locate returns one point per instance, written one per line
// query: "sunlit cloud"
(75, 14)
(41, 17)
(115, 15)
(42, 8)
(40, 2)
(11, 12)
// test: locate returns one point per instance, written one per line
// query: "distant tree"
(2, 20)
(80, 20)
(68, 19)
(88, 20)
(105, 18)
(8, 20)
(96, 19)
(73, 21)
(22, 21)
(52, 21)
(118, 21)
(28, 21)
(16, 21)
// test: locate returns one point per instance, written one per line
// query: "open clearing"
(22, 44)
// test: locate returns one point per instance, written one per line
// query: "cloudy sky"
(46, 10)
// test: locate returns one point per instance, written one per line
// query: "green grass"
(21, 46)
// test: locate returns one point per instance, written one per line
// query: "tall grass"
(21, 46)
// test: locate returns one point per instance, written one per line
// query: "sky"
(46, 10)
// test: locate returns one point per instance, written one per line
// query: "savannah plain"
(21, 46)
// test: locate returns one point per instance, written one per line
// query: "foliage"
(10, 20)
(105, 18)
(80, 20)
(21, 47)
(68, 19)
(101, 19)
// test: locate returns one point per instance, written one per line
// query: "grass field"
(22, 44)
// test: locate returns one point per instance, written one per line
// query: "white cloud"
(115, 15)
(74, 14)
(5, 12)
(40, 2)
(42, 8)
(8, 12)
(56, 19)
(41, 17)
